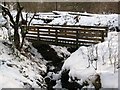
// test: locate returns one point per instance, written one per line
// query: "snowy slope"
(110, 20)
(79, 67)
(92, 20)
(18, 71)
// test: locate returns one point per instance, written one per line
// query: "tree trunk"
(16, 38)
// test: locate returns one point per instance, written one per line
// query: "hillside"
(20, 69)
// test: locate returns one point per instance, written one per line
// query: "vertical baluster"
(102, 35)
(77, 37)
(56, 35)
(38, 38)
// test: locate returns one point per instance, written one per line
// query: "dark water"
(54, 65)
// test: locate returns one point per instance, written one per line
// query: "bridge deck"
(67, 36)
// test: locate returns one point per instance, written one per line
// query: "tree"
(15, 24)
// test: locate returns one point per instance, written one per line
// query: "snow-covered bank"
(19, 71)
(91, 20)
(85, 62)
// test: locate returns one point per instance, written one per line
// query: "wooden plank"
(67, 33)
(61, 39)
(47, 31)
(89, 42)
(78, 41)
(82, 26)
(66, 28)
(41, 31)
(90, 34)
(31, 36)
(73, 44)
(69, 36)
(40, 37)
(44, 42)
(87, 38)
(59, 32)
(44, 34)
(91, 30)
(32, 30)
(31, 33)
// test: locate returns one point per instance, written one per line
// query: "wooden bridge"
(73, 36)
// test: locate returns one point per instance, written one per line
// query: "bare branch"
(6, 11)
(31, 19)
(19, 9)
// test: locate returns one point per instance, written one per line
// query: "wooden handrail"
(69, 28)
(81, 26)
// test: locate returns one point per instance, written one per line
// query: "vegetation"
(16, 24)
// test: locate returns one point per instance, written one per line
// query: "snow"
(18, 71)
(78, 64)
(93, 20)
(107, 52)
(61, 51)
(28, 69)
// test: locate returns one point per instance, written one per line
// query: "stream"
(54, 62)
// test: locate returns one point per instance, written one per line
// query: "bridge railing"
(105, 28)
(66, 35)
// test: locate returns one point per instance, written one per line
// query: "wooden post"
(77, 37)
(56, 35)
(102, 35)
(65, 32)
(38, 38)
(48, 30)
(106, 32)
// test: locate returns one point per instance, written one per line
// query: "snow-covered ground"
(17, 70)
(110, 20)
(84, 63)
